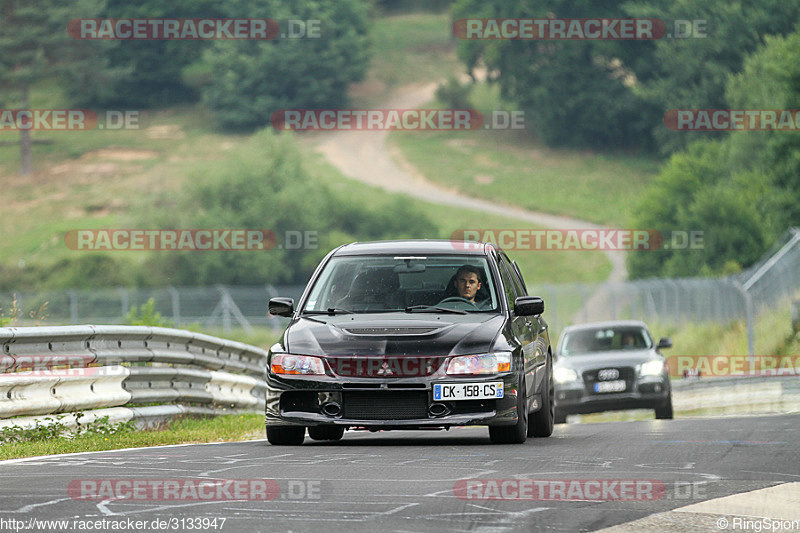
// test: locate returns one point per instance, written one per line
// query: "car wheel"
(326, 432)
(286, 435)
(560, 417)
(665, 411)
(517, 433)
(543, 419)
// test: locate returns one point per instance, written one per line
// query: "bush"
(264, 186)
(244, 82)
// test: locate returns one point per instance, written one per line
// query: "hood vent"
(392, 331)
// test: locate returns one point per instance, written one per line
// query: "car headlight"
(489, 363)
(296, 364)
(564, 375)
(652, 368)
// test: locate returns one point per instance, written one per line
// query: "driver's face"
(467, 285)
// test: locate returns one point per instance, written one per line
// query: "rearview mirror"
(664, 342)
(281, 306)
(528, 305)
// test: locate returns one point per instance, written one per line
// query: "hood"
(605, 359)
(397, 334)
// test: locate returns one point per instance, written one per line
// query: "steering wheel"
(458, 299)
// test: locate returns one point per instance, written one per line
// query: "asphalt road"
(404, 481)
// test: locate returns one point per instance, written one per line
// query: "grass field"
(182, 431)
(509, 166)
(513, 167)
(408, 48)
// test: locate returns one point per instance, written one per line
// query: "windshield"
(605, 339)
(367, 284)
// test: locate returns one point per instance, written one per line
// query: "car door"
(537, 324)
(520, 325)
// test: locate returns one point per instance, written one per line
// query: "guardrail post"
(124, 302)
(747, 299)
(176, 305)
(73, 306)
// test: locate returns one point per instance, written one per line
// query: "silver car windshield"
(369, 284)
(584, 341)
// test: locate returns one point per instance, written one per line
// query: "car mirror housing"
(664, 342)
(281, 306)
(528, 305)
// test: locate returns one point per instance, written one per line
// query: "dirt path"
(368, 157)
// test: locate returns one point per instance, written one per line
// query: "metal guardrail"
(99, 369)
(736, 395)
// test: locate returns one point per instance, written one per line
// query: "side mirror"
(528, 305)
(281, 306)
(664, 342)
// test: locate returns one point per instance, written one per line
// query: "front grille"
(384, 367)
(385, 405)
(626, 373)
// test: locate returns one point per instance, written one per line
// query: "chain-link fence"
(217, 307)
(767, 284)
(666, 301)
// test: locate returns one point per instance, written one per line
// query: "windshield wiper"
(330, 311)
(433, 308)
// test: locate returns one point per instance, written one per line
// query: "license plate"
(610, 386)
(467, 391)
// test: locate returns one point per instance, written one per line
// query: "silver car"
(606, 366)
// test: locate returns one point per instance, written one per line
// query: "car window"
(377, 283)
(583, 341)
(508, 282)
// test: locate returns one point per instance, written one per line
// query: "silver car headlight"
(564, 375)
(652, 368)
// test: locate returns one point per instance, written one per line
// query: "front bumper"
(385, 403)
(645, 392)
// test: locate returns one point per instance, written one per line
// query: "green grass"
(410, 48)
(537, 267)
(511, 167)
(182, 431)
(773, 336)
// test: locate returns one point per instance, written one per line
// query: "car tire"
(544, 418)
(560, 417)
(517, 433)
(286, 435)
(326, 432)
(665, 411)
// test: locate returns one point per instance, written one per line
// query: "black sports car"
(418, 334)
(607, 366)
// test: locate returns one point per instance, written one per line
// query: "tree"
(770, 79)
(244, 82)
(150, 72)
(578, 92)
(34, 45)
(264, 186)
(692, 73)
(698, 190)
